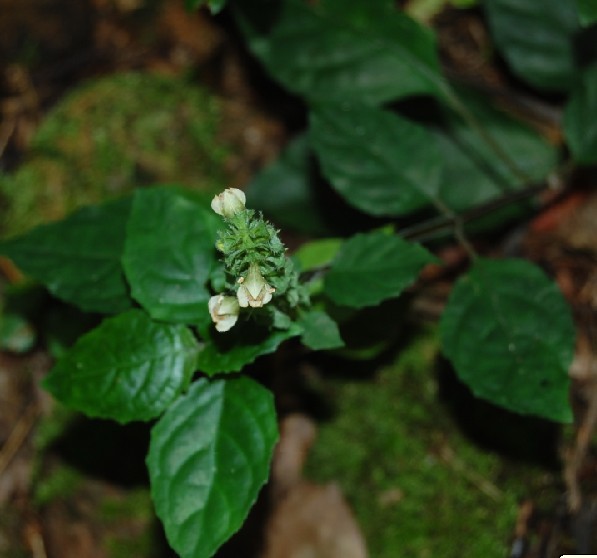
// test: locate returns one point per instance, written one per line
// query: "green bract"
(256, 266)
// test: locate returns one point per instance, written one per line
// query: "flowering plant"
(255, 265)
(194, 290)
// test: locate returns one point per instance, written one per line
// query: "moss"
(109, 136)
(52, 427)
(127, 520)
(62, 482)
(419, 487)
(136, 504)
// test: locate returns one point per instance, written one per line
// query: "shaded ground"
(425, 468)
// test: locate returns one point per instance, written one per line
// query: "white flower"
(230, 202)
(253, 290)
(224, 311)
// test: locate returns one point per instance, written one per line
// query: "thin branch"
(487, 138)
(431, 227)
(18, 436)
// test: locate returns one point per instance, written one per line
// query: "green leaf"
(214, 5)
(372, 267)
(587, 10)
(378, 161)
(128, 368)
(468, 161)
(317, 253)
(234, 349)
(78, 258)
(285, 190)
(580, 119)
(509, 334)
(208, 458)
(320, 331)
(338, 49)
(169, 254)
(536, 39)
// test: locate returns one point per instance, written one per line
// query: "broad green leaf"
(372, 267)
(509, 334)
(472, 173)
(286, 191)
(78, 258)
(378, 161)
(320, 331)
(169, 254)
(536, 39)
(128, 368)
(232, 350)
(208, 458)
(587, 10)
(214, 5)
(339, 49)
(580, 119)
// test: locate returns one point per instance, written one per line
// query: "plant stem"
(458, 228)
(470, 119)
(430, 227)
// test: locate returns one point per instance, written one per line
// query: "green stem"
(458, 228)
(428, 229)
(470, 119)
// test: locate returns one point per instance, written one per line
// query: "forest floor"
(398, 458)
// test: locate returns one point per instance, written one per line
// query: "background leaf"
(587, 10)
(214, 5)
(334, 49)
(233, 350)
(378, 161)
(372, 267)
(509, 333)
(208, 458)
(128, 368)
(78, 258)
(471, 172)
(535, 38)
(317, 253)
(169, 254)
(580, 118)
(320, 331)
(285, 190)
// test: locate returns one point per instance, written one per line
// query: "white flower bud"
(253, 290)
(230, 202)
(224, 311)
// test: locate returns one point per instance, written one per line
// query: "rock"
(308, 520)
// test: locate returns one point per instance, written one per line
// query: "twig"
(488, 488)
(575, 457)
(457, 226)
(36, 541)
(478, 128)
(431, 227)
(18, 435)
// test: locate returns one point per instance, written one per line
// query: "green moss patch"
(418, 486)
(110, 136)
